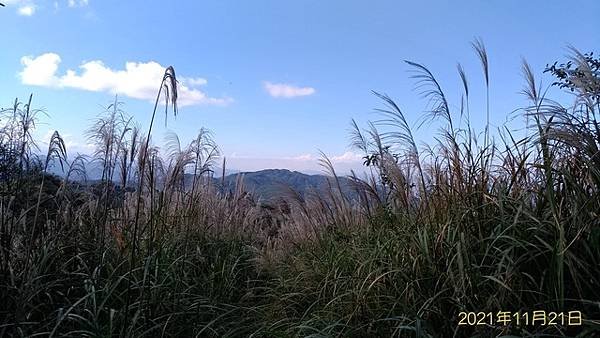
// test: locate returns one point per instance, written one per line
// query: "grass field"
(481, 220)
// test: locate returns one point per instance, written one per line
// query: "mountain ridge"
(269, 184)
(266, 184)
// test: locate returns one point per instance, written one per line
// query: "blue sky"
(275, 81)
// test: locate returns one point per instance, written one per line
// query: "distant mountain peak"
(267, 183)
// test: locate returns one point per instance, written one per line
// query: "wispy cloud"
(287, 90)
(347, 157)
(138, 80)
(30, 7)
(303, 157)
(193, 81)
(26, 10)
(77, 3)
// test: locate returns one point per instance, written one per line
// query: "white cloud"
(75, 3)
(287, 90)
(139, 80)
(347, 157)
(193, 81)
(30, 7)
(26, 10)
(304, 157)
(41, 70)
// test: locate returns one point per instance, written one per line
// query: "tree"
(580, 74)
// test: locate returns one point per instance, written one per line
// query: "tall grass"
(159, 247)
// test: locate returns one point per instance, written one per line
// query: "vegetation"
(488, 222)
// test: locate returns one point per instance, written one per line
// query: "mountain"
(270, 184)
(93, 171)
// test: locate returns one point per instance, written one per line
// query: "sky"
(275, 81)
